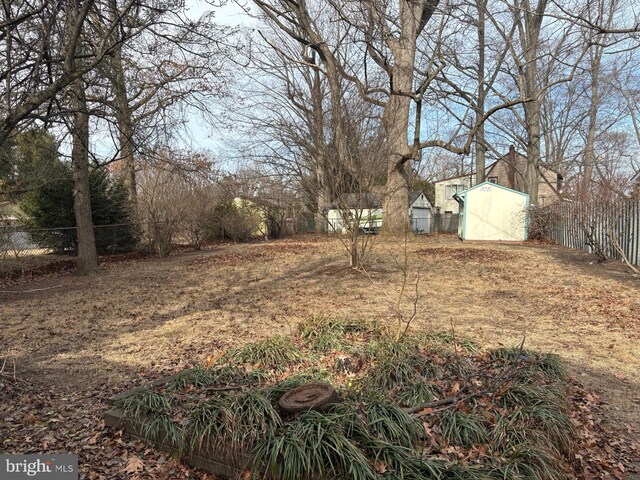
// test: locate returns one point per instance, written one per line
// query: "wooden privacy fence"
(611, 228)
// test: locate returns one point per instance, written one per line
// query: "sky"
(201, 135)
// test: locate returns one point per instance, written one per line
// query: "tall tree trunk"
(396, 118)
(123, 114)
(530, 41)
(124, 120)
(480, 145)
(87, 255)
(532, 174)
(595, 53)
(323, 196)
(320, 221)
(323, 192)
(396, 125)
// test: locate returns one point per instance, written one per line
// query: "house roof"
(466, 175)
(524, 158)
(454, 177)
(414, 195)
(551, 183)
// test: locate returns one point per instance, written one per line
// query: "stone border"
(117, 419)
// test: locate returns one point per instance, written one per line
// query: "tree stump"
(308, 397)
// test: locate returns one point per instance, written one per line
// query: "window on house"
(493, 180)
(453, 189)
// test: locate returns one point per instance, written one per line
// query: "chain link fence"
(25, 250)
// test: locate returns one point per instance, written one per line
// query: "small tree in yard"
(354, 190)
(175, 195)
(198, 200)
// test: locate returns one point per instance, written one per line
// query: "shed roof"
(461, 195)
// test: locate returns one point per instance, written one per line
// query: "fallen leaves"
(477, 255)
(114, 324)
(254, 252)
(600, 451)
(134, 465)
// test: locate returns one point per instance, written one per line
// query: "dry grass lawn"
(137, 320)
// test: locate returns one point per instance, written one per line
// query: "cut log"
(308, 397)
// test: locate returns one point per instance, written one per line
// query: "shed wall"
(494, 213)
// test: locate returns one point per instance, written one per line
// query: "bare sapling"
(405, 298)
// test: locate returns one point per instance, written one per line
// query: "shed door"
(421, 220)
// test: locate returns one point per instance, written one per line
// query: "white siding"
(445, 190)
(495, 213)
(370, 218)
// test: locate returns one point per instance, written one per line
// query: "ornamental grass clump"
(201, 377)
(198, 376)
(228, 425)
(151, 413)
(324, 334)
(274, 353)
(314, 445)
(427, 406)
(463, 429)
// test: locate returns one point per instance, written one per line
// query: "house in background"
(508, 171)
(491, 212)
(249, 206)
(10, 214)
(371, 214)
(447, 188)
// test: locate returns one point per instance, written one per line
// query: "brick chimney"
(511, 167)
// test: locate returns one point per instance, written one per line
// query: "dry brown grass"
(160, 315)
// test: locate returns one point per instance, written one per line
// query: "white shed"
(493, 212)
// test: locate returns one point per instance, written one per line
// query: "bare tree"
(41, 41)
(286, 122)
(174, 199)
(157, 80)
